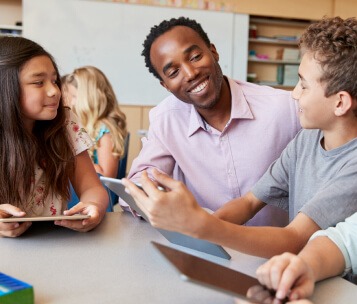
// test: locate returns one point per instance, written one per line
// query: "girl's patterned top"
(53, 204)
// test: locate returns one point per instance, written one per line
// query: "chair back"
(124, 159)
(121, 168)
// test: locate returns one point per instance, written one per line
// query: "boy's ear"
(344, 103)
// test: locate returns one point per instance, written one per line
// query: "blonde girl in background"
(93, 100)
(65, 91)
(42, 146)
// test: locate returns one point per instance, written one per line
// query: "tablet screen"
(208, 273)
(215, 276)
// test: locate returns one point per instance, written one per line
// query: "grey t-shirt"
(306, 178)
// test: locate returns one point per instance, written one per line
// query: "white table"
(116, 263)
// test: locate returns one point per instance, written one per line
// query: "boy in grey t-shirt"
(315, 178)
(309, 179)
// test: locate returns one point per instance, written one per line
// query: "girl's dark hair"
(166, 25)
(48, 145)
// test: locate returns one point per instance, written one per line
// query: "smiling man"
(314, 178)
(215, 134)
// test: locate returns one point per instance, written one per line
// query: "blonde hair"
(97, 104)
(64, 90)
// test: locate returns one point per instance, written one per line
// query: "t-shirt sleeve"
(102, 131)
(273, 187)
(335, 201)
(345, 237)
(79, 137)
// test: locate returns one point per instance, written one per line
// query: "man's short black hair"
(166, 25)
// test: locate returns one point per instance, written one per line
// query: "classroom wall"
(273, 8)
(10, 11)
(301, 9)
(345, 8)
(110, 35)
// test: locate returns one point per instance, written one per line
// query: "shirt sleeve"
(79, 137)
(345, 237)
(273, 187)
(335, 201)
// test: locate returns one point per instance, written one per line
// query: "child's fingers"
(7, 210)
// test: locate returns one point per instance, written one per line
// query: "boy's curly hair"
(333, 42)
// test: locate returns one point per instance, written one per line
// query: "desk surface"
(116, 263)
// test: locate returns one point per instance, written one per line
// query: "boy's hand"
(289, 275)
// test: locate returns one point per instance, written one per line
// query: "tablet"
(197, 270)
(174, 237)
(208, 274)
(44, 218)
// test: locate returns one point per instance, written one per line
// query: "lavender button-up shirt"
(219, 166)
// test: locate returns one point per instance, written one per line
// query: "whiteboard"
(109, 36)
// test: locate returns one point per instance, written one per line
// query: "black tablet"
(208, 274)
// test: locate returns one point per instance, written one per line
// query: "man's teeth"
(200, 87)
(300, 110)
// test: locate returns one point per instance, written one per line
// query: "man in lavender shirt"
(215, 134)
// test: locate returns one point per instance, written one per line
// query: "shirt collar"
(240, 109)
(196, 122)
(240, 105)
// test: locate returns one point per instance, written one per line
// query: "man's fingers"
(164, 179)
(133, 189)
(148, 185)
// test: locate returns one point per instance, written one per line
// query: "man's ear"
(214, 52)
(344, 103)
(164, 85)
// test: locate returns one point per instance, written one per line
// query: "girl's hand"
(12, 229)
(96, 215)
(93, 196)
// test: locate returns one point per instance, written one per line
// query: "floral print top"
(53, 204)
